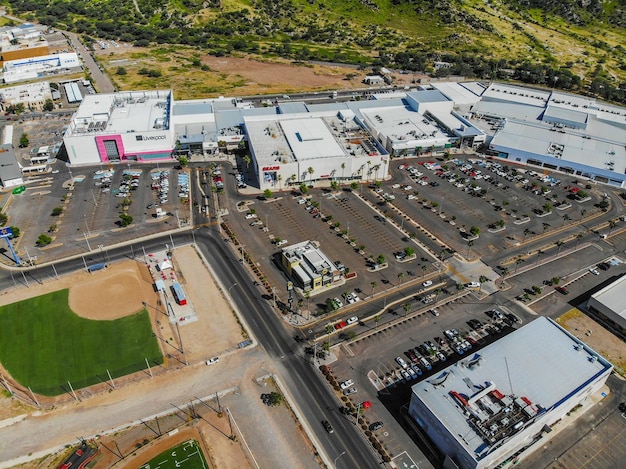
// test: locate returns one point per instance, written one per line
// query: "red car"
(340, 325)
(562, 290)
(366, 404)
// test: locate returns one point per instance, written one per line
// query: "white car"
(406, 375)
(407, 188)
(400, 361)
(410, 196)
(594, 271)
(281, 242)
(472, 285)
(352, 320)
(250, 216)
(338, 302)
(352, 298)
(346, 384)
(427, 283)
(396, 186)
(213, 361)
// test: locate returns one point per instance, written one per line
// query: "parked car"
(594, 271)
(340, 325)
(472, 285)
(427, 283)
(434, 312)
(346, 384)
(349, 391)
(376, 426)
(352, 320)
(213, 361)
(400, 361)
(250, 215)
(562, 290)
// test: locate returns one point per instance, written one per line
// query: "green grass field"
(43, 344)
(187, 455)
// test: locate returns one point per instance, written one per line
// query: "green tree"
(121, 71)
(3, 218)
(303, 188)
(276, 398)
(310, 170)
(48, 105)
(247, 160)
(125, 219)
(43, 240)
(334, 185)
(267, 193)
(354, 185)
(24, 141)
(16, 232)
(380, 259)
(409, 251)
(183, 161)
(373, 285)
(56, 211)
(407, 308)
(474, 230)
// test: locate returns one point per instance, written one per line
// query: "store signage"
(150, 137)
(271, 168)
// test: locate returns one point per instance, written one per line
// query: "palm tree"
(343, 167)
(469, 247)
(280, 178)
(247, 160)
(539, 254)
(407, 308)
(310, 170)
(559, 244)
(565, 218)
(518, 261)
(293, 178)
(373, 285)
(578, 238)
(369, 171)
(424, 269)
(582, 213)
(526, 233)
(400, 277)
(612, 224)
(375, 169)
(377, 320)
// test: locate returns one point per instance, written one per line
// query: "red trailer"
(177, 290)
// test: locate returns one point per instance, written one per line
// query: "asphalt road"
(312, 397)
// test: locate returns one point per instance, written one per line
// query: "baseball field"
(44, 344)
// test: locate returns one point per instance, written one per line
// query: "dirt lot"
(596, 336)
(229, 76)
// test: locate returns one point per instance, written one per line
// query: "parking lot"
(508, 205)
(351, 233)
(80, 209)
(383, 366)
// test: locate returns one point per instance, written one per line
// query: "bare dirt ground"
(216, 331)
(596, 336)
(228, 76)
(113, 293)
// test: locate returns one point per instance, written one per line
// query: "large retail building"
(296, 142)
(493, 407)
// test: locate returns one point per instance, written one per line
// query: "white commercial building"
(494, 406)
(127, 126)
(610, 306)
(37, 67)
(305, 148)
(554, 130)
(33, 96)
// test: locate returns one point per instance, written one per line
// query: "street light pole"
(335, 462)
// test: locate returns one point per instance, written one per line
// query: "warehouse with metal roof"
(495, 406)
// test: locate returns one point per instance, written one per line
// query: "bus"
(179, 295)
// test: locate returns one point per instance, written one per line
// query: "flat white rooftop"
(540, 362)
(612, 296)
(133, 111)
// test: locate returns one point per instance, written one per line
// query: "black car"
(376, 426)
(604, 266)
(327, 426)
(622, 407)
(434, 184)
